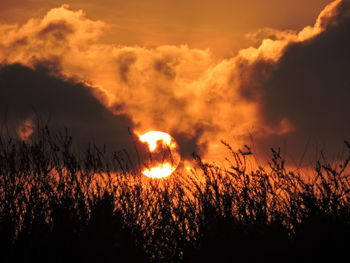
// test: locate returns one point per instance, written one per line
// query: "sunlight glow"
(153, 137)
(161, 171)
(163, 145)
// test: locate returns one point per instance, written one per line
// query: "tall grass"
(60, 203)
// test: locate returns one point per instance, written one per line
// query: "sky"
(263, 73)
(220, 25)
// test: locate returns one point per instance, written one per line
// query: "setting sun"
(164, 156)
(162, 171)
(153, 137)
(174, 131)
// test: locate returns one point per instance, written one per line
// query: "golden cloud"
(177, 89)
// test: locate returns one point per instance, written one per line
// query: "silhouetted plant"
(59, 202)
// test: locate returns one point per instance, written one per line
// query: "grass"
(60, 203)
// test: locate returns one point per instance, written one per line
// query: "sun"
(163, 157)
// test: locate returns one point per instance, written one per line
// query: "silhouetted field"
(59, 203)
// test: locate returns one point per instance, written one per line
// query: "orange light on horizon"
(161, 171)
(161, 144)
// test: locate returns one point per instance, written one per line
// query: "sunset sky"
(263, 73)
(219, 25)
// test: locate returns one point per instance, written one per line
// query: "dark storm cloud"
(25, 92)
(309, 86)
(190, 142)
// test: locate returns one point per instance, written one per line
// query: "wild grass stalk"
(59, 202)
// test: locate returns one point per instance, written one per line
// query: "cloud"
(307, 88)
(160, 88)
(273, 91)
(27, 93)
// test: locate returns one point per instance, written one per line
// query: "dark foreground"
(61, 205)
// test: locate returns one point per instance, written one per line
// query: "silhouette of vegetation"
(60, 203)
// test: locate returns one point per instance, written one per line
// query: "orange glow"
(165, 157)
(25, 130)
(161, 171)
(153, 137)
(166, 71)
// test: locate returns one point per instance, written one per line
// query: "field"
(61, 203)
